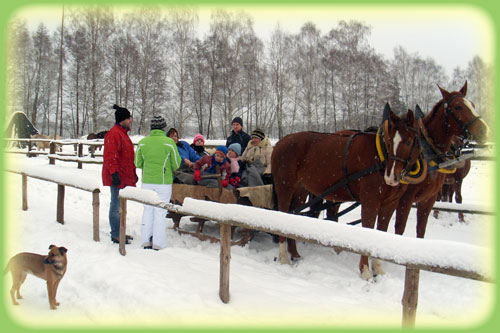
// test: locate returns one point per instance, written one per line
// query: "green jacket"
(158, 158)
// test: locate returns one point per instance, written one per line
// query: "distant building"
(20, 127)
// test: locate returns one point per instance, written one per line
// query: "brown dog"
(51, 268)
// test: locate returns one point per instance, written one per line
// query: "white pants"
(154, 223)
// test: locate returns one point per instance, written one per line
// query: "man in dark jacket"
(118, 169)
(237, 134)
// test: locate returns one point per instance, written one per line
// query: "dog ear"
(51, 246)
(63, 250)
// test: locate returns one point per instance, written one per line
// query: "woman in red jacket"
(118, 169)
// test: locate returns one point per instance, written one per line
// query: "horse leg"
(283, 255)
(384, 217)
(402, 213)
(369, 213)
(423, 210)
(442, 194)
(458, 198)
(284, 193)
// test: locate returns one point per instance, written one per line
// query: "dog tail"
(7, 268)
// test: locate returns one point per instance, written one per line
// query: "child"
(208, 165)
(234, 152)
(199, 145)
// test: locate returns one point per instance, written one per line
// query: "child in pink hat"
(199, 145)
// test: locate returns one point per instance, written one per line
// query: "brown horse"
(453, 115)
(453, 181)
(314, 162)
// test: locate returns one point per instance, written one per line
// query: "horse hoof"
(377, 268)
(366, 274)
(296, 259)
(284, 261)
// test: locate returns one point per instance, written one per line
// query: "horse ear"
(410, 118)
(387, 112)
(463, 91)
(444, 93)
(418, 112)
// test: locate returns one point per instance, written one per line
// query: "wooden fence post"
(52, 151)
(410, 297)
(60, 203)
(25, 191)
(225, 258)
(123, 226)
(80, 154)
(95, 211)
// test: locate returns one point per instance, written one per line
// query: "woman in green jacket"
(158, 158)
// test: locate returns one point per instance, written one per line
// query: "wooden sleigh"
(258, 196)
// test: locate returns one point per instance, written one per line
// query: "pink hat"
(198, 137)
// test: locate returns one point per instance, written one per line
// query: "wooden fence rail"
(326, 236)
(95, 190)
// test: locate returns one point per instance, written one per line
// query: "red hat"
(198, 137)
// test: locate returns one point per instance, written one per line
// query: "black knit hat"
(158, 122)
(121, 113)
(238, 120)
(259, 133)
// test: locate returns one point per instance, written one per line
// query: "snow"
(178, 286)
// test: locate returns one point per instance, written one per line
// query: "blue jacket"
(186, 151)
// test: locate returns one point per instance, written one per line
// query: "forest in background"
(152, 61)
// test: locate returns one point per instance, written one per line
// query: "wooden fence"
(326, 237)
(413, 267)
(90, 186)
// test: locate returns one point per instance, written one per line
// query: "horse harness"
(384, 155)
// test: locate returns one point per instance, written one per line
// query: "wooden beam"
(80, 154)
(60, 203)
(52, 151)
(410, 297)
(25, 191)
(95, 214)
(225, 257)
(123, 226)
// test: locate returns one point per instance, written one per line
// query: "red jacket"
(118, 156)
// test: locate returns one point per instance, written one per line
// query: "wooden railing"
(325, 234)
(89, 185)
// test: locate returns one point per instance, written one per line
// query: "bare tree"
(181, 25)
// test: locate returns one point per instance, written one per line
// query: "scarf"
(235, 166)
(198, 149)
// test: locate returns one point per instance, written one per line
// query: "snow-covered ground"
(178, 286)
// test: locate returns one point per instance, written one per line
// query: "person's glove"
(235, 181)
(224, 183)
(197, 175)
(115, 179)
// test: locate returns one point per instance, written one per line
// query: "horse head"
(461, 117)
(401, 145)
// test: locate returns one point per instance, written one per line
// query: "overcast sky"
(452, 35)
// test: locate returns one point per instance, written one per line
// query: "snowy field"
(178, 286)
